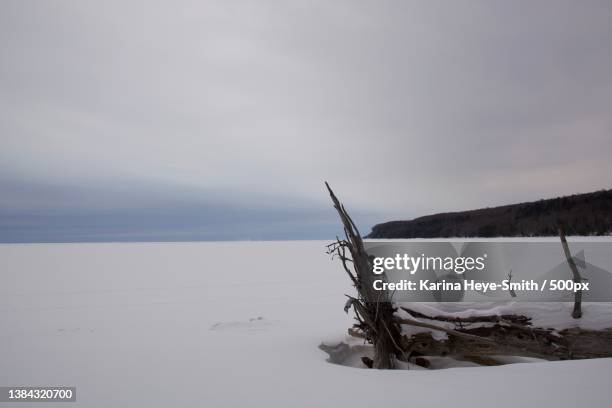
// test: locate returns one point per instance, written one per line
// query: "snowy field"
(226, 325)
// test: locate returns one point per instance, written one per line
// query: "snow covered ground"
(225, 325)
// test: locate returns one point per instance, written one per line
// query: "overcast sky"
(221, 119)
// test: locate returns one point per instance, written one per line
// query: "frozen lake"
(229, 324)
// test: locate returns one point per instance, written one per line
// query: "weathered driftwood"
(375, 319)
(475, 338)
(504, 337)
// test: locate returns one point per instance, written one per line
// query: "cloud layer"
(408, 108)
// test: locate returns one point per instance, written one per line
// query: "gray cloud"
(34, 212)
(408, 108)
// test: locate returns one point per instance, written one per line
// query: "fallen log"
(570, 344)
(504, 335)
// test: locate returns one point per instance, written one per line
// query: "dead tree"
(373, 311)
(475, 337)
(577, 313)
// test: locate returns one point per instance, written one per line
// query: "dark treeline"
(581, 214)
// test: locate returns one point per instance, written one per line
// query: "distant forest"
(580, 214)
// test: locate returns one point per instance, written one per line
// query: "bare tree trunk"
(577, 313)
(375, 318)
